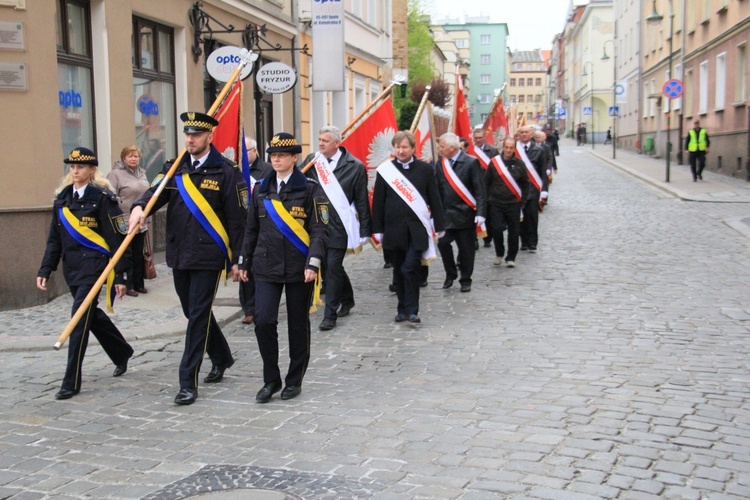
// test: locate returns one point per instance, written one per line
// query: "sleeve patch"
(118, 222)
(157, 180)
(323, 213)
(244, 195)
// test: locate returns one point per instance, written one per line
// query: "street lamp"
(656, 18)
(593, 137)
(614, 92)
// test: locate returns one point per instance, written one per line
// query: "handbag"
(149, 269)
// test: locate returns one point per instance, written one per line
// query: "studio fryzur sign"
(276, 78)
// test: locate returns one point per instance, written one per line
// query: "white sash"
(533, 174)
(507, 178)
(484, 160)
(458, 186)
(346, 211)
(406, 190)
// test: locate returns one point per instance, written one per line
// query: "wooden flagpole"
(245, 58)
(352, 123)
(420, 109)
(498, 97)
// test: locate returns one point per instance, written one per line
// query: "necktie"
(282, 185)
(196, 163)
(526, 148)
(453, 162)
(75, 196)
(330, 160)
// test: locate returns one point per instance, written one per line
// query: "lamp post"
(656, 18)
(593, 137)
(614, 92)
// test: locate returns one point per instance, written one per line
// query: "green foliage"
(408, 111)
(420, 44)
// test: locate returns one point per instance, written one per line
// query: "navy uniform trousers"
(96, 321)
(196, 290)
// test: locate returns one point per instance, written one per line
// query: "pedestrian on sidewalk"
(286, 236)
(129, 182)
(206, 206)
(608, 139)
(259, 169)
(697, 145)
(87, 226)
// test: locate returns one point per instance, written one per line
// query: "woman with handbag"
(87, 227)
(129, 182)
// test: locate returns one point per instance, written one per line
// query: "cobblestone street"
(612, 363)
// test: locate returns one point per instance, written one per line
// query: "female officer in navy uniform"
(285, 241)
(87, 225)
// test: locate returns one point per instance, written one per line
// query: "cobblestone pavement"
(613, 363)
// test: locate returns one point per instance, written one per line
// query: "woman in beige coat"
(129, 183)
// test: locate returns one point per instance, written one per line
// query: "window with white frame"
(484, 39)
(372, 13)
(706, 11)
(677, 103)
(357, 8)
(485, 98)
(703, 88)
(485, 79)
(461, 43)
(721, 81)
(740, 74)
(688, 111)
(484, 59)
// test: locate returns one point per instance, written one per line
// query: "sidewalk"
(155, 314)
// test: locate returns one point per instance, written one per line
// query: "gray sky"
(532, 23)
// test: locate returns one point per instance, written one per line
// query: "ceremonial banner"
(229, 135)
(496, 125)
(370, 142)
(462, 126)
(425, 136)
(328, 45)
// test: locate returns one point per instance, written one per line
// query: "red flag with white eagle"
(229, 134)
(370, 142)
(425, 148)
(496, 124)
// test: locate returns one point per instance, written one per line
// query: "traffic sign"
(614, 111)
(562, 112)
(673, 89)
(587, 111)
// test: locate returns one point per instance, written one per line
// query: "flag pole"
(245, 57)
(420, 109)
(351, 124)
(498, 98)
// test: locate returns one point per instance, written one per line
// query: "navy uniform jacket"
(189, 246)
(458, 215)
(392, 217)
(270, 255)
(97, 210)
(352, 176)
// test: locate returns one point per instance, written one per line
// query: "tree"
(420, 43)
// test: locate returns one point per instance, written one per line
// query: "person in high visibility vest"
(697, 144)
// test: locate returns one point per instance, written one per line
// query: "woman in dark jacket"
(87, 227)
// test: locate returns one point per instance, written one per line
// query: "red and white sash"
(484, 160)
(409, 193)
(462, 191)
(335, 193)
(507, 178)
(533, 174)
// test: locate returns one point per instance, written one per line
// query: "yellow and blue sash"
(202, 211)
(288, 225)
(89, 238)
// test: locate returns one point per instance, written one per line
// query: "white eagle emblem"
(380, 150)
(229, 153)
(426, 153)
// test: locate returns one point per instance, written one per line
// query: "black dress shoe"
(487, 244)
(387, 265)
(268, 390)
(392, 288)
(66, 393)
(523, 249)
(327, 324)
(447, 283)
(345, 309)
(400, 318)
(423, 284)
(217, 373)
(291, 391)
(413, 318)
(120, 369)
(465, 288)
(186, 396)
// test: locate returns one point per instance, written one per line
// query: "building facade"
(527, 87)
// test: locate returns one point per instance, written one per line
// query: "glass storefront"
(76, 107)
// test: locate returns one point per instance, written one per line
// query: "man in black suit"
(479, 142)
(405, 192)
(259, 169)
(349, 225)
(461, 186)
(534, 157)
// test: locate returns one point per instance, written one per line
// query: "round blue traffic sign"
(673, 89)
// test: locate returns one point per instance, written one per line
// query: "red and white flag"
(425, 136)
(462, 125)
(496, 124)
(229, 134)
(370, 142)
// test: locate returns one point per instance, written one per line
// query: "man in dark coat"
(404, 195)
(349, 226)
(206, 187)
(462, 194)
(285, 242)
(259, 169)
(478, 136)
(533, 157)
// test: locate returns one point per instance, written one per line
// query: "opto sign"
(276, 78)
(223, 61)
